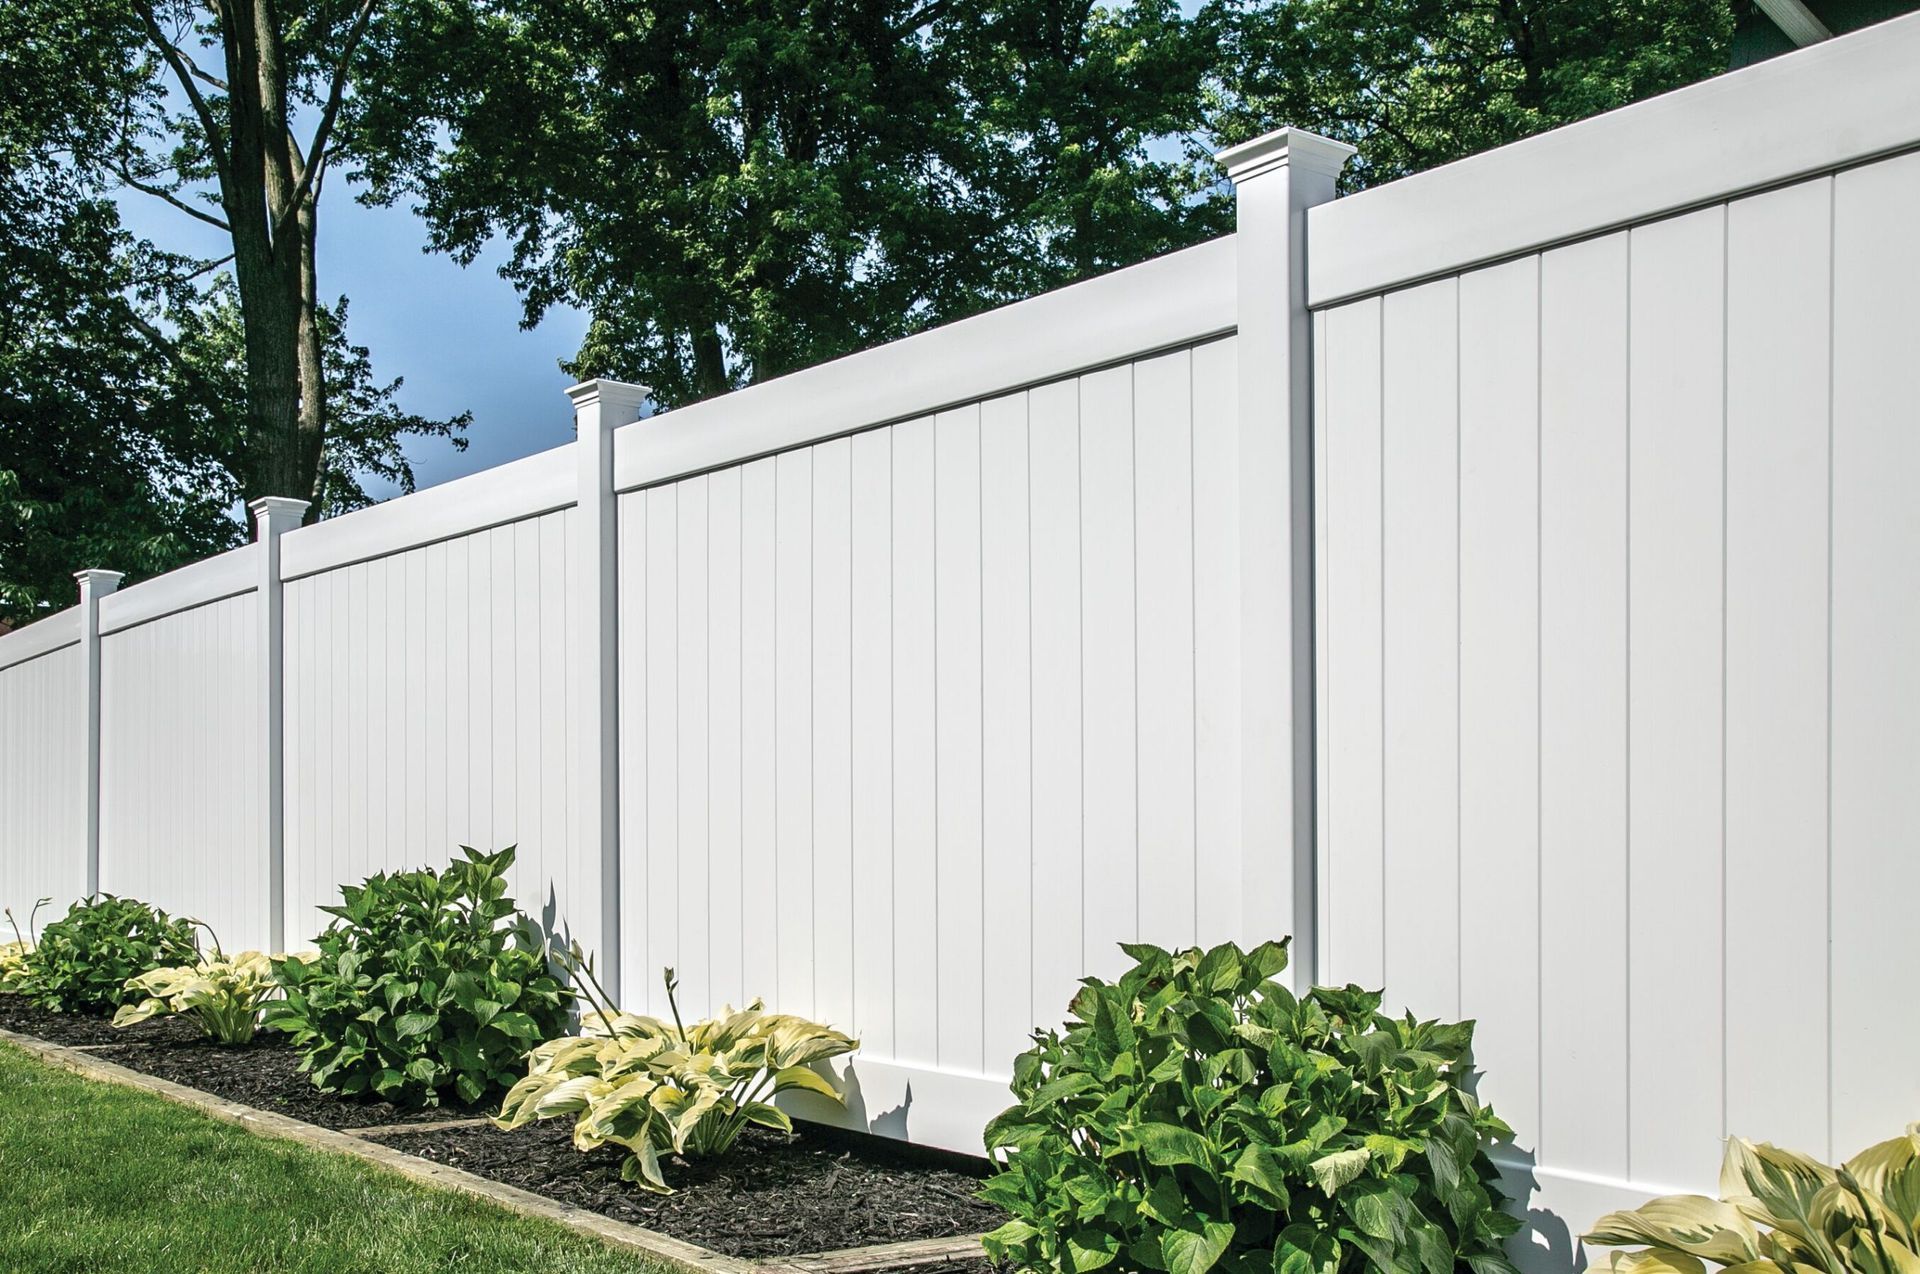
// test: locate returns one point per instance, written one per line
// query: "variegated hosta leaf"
(643, 1083)
(811, 1081)
(224, 993)
(1650, 1261)
(1890, 1174)
(1776, 1188)
(1689, 1223)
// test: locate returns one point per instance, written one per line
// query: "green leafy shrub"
(225, 996)
(1860, 1218)
(655, 1087)
(1196, 1115)
(84, 960)
(425, 981)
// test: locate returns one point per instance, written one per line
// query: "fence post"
(273, 516)
(94, 585)
(599, 407)
(1276, 178)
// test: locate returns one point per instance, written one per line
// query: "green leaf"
(408, 1024)
(1257, 1167)
(1375, 1209)
(1196, 1251)
(1333, 1171)
(998, 1241)
(1167, 1144)
(1089, 1249)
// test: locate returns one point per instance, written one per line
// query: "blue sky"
(452, 333)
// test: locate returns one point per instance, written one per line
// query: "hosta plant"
(426, 983)
(13, 955)
(1195, 1115)
(224, 995)
(84, 960)
(1782, 1213)
(659, 1087)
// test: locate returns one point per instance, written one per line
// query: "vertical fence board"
(1499, 724)
(760, 914)
(1218, 915)
(1421, 442)
(916, 906)
(957, 709)
(833, 731)
(871, 692)
(1583, 705)
(1876, 630)
(1008, 915)
(1675, 615)
(1053, 510)
(694, 900)
(793, 729)
(1352, 780)
(1164, 636)
(724, 738)
(1778, 381)
(1109, 668)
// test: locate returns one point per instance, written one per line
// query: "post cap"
(98, 583)
(1284, 147)
(277, 510)
(620, 401)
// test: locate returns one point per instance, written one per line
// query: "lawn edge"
(360, 1144)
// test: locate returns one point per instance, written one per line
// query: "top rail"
(540, 483)
(210, 579)
(1173, 300)
(42, 636)
(1838, 103)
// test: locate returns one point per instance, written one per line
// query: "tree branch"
(174, 280)
(180, 71)
(317, 151)
(161, 193)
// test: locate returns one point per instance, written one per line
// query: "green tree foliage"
(366, 429)
(735, 192)
(106, 458)
(126, 406)
(1416, 83)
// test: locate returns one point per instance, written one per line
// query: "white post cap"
(1284, 147)
(97, 583)
(277, 512)
(620, 402)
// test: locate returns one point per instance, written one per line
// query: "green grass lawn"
(96, 1178)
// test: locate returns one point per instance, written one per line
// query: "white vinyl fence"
(1504, 580)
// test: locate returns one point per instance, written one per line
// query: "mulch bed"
(821, 1190)
(265, 1074)
(17, 1014)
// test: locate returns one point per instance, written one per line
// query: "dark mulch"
(18, 1014)
(823, 1190)
(265, 1074)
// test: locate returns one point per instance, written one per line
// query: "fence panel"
(180, 800)
(427, 708)
(886, 688)
(1665, 504)
(43, 774)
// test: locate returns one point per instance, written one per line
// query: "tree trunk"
(312, 422)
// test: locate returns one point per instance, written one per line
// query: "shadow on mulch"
(824, 1189)
(265, 1074)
